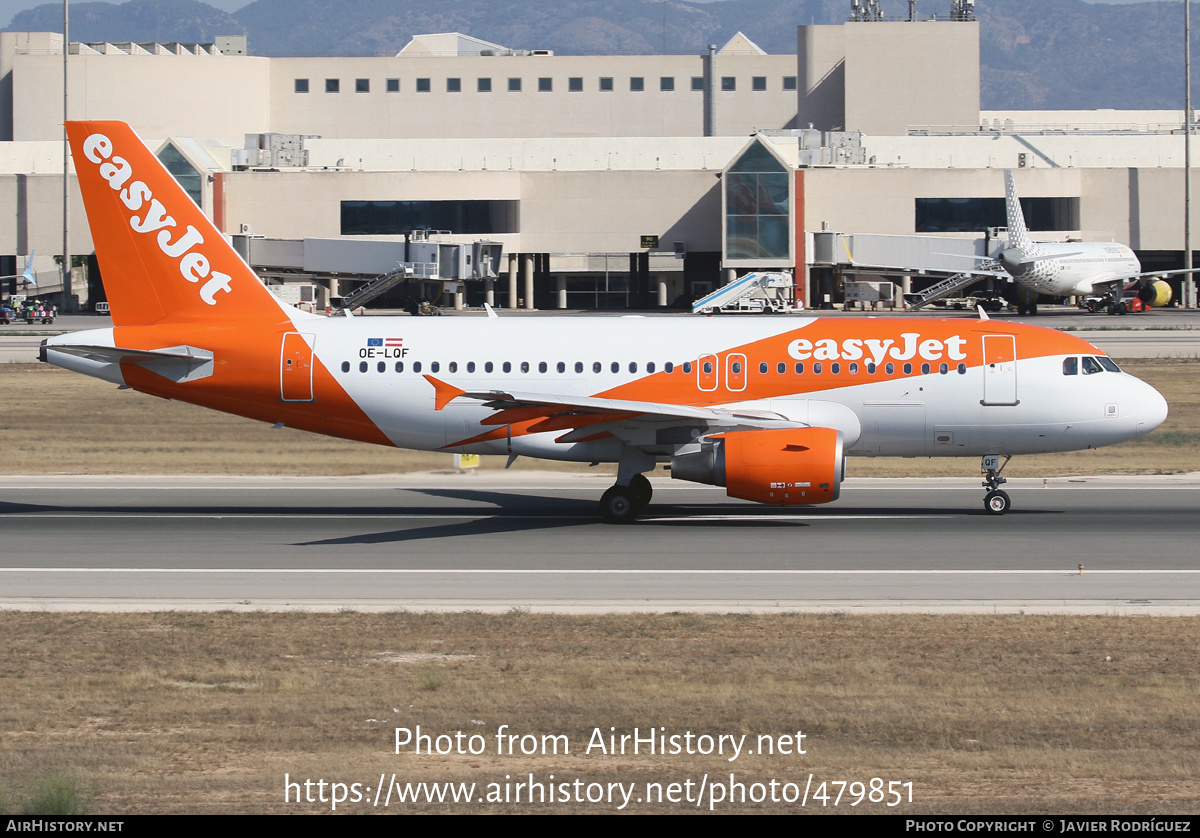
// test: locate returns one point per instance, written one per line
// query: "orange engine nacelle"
(789, 467)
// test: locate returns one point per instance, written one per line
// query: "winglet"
(443, 393)
(982, 313)
(491, 312)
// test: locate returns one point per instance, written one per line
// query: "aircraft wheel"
(1033, 309)
(642, 491)
(1122, 308)
(619, 505)
(996, 503)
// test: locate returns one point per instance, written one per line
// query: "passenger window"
(649, 366)
(561, 367)
(1091, 365)
(799, 368)
(596, 366)
(416, 366)
(835, 368)
(781, 368)
(470, 366)
(616, 366)
(924, 369)
(944, 368)
(542, 367)
(488, 367)
(507, 366)
(870, 367)
(579, 366)
(962, 369)
(345, 366)
(382, 366)
(708, 367)
(737, 368)
(908, 369)
(854, 369)
(453, 366)
(633, 366)
(435, 366)
(687, 367)
(817, 368)
(524, 366)
(668, 367)
(1070, 366)
(399, 366)
(762, 368)
(362, 367)
(890, 369)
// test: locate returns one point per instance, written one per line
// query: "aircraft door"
(295, 368)
(735, 372)
(1000, 369)
(706, 372)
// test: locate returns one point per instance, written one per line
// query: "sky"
(8, 8)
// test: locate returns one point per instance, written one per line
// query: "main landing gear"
(622, 503)
(995, 502)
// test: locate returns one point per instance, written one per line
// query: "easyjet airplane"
(769, 410)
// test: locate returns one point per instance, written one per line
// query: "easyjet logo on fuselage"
(193, 264)
(875, 350)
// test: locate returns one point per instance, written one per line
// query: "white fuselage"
(1074, 268)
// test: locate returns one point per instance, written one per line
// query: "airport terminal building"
(589, 181)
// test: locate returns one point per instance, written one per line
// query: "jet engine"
(787, 467)
(1155, 294)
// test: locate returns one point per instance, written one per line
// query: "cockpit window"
(1091, 365)
(1108, 363)
(1071, 366)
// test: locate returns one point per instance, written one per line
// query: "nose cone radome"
(1151, 409)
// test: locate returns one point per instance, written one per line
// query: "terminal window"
(789, 82)
(575, 84)
(393, 85)
(362, 85)
(728, 83)
(976, 215)
(301, 85)
(757, 206)
(545, 85)
(697, 82)
(333, 85)
(606, 83)
(394, 218)
(514, 85)
(423, 85)
(637, 83)
(758, 83)
(483, 85)
(666, 83)
(454, 85)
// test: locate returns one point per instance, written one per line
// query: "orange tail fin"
(162, 258)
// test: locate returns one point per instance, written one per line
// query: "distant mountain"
(1034, 53)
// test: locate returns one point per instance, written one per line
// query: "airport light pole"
(66, 250)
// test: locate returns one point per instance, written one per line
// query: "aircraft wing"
(587, 417)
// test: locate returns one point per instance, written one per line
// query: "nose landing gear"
(995, 502)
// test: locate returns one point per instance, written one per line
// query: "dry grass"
(79, 425)
(186, 712)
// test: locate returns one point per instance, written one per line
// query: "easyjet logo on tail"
(136, 196)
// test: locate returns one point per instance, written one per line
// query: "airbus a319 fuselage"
(768, 409)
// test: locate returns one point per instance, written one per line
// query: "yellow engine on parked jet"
(1155, 294)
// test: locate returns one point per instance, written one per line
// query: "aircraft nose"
(1151, 408)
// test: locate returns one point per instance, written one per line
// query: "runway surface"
(499, 540)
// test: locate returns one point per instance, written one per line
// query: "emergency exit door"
(999, 369)
(295, 367)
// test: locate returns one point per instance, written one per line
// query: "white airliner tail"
(1018, 234)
